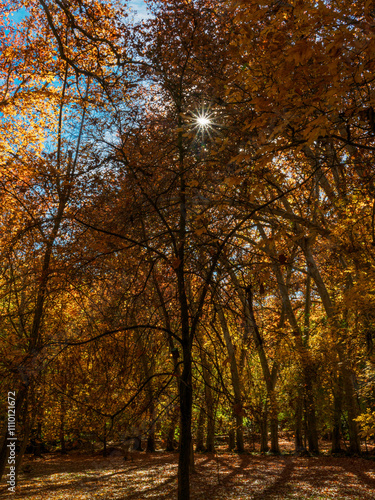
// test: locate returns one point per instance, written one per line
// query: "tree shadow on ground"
(231, 476)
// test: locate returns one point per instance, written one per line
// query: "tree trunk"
(170, 437)
(269, 377)
(105, 441)
(170, 441)
(210, 411)
(148, 368)
(199, 446)
(263, 426)
(151, 442)
(274, 423)
(232, 440)
(38, 440)
(186, 401)
(312, 431)
(192, 466)
(240, 446)
(301, 349)
(347, 376)
(234, 378)
(298, 436)
(62, 427)
(337, 411)
(352, 408)
(150, 447)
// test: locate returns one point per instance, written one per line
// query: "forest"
(187, 230)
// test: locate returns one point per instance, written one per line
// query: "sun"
(203, 121)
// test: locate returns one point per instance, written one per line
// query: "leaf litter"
(218, 476)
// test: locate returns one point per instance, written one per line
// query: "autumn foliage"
(188, 224)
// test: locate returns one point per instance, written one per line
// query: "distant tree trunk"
(150, 443)
(298, 434)
(274, 423)
(263, 427)
(232, 440)
(240, 446)
(304, 357)
(149, 368)
(170, 437)
(62, 428)
(38, 440)
(150, 447)
(210, 411)
(210, 437)
(199, 446)
(105, 441)
(270, 377)
(353, 412)
(312, 431)
(170, 441)
(301, 350)
(347, 375)
(62, 439)
(234, 378)
(337, 411)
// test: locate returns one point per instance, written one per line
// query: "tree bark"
(337, 411)
(347, 375)
(298, 436)
(274, 423)
(170, 436)
(231, 439)
(235, 379)
(301, 351)
(199, 446)
(270, 377)
(186, 401)
(312, 432)
(263, 426)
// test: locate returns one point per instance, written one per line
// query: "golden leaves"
(233, 181)
(200, 231)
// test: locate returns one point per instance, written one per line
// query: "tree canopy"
(188, 223)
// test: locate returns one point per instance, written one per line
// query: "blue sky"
(140, 7)
(137, 5)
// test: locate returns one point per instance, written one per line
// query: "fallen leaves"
(221, 476)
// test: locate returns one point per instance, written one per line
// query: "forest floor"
(223, 475)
